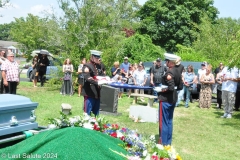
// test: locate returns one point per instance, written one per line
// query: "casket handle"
(33, 115)
(13, 121)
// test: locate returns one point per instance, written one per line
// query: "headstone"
(66, 108)
(145, 113)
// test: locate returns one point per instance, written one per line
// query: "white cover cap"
(171, 57)
(95, 52)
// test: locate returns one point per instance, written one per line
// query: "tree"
(140, 48)
(36, 33)
(220, 41)
(172, 22)
(96, 24)
(5, 31)
(3, 3)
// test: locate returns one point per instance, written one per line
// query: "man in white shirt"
(229, 87)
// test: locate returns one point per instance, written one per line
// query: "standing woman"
(206, 80)
(80, 76)
(67, 87)
(35, 71)
(188, 78)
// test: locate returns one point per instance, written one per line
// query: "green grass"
(198, 134)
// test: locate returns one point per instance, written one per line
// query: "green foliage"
(5, 31)
(169, 23)
(140, 48)
(34, 33)
(219, 42)
(96, 24)
(189, 54)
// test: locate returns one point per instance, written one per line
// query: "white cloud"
(38, 9)
(14, 5)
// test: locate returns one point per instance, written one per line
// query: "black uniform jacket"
(170, 95)
(90, 86)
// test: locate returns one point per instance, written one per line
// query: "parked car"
(51, 69)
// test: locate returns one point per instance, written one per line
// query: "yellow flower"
(168, 147)
(178, 157)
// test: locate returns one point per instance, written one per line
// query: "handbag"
(66, 77)
(199, 87)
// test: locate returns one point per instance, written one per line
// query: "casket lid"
(10, 101)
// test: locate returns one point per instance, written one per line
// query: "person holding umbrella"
(43, 63)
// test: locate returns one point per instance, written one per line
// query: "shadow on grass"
(233, 122)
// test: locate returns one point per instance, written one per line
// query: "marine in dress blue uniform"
(168, 98)
(91, 89)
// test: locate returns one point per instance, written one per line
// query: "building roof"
(6, 44)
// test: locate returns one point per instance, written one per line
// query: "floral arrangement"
(138, 146)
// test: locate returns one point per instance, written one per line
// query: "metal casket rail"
(16, 114)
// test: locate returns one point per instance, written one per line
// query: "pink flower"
(124, 129)
(154, 157)
(115, 126)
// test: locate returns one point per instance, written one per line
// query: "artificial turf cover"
(71, 143)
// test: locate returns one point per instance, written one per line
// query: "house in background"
(9, 45)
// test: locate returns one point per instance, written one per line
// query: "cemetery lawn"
(198, 134)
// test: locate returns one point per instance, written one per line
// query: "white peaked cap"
(171, 57)
(95, 52)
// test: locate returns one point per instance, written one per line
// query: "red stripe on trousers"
(160, 122)
(85, 105)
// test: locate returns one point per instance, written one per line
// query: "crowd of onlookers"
(223, 79)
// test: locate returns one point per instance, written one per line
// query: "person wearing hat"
(156, 74)
(125, 67)
(200, 73)
(91, 89)
(10, 74)
(168, 98)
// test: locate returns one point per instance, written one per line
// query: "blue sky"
(20, 8)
